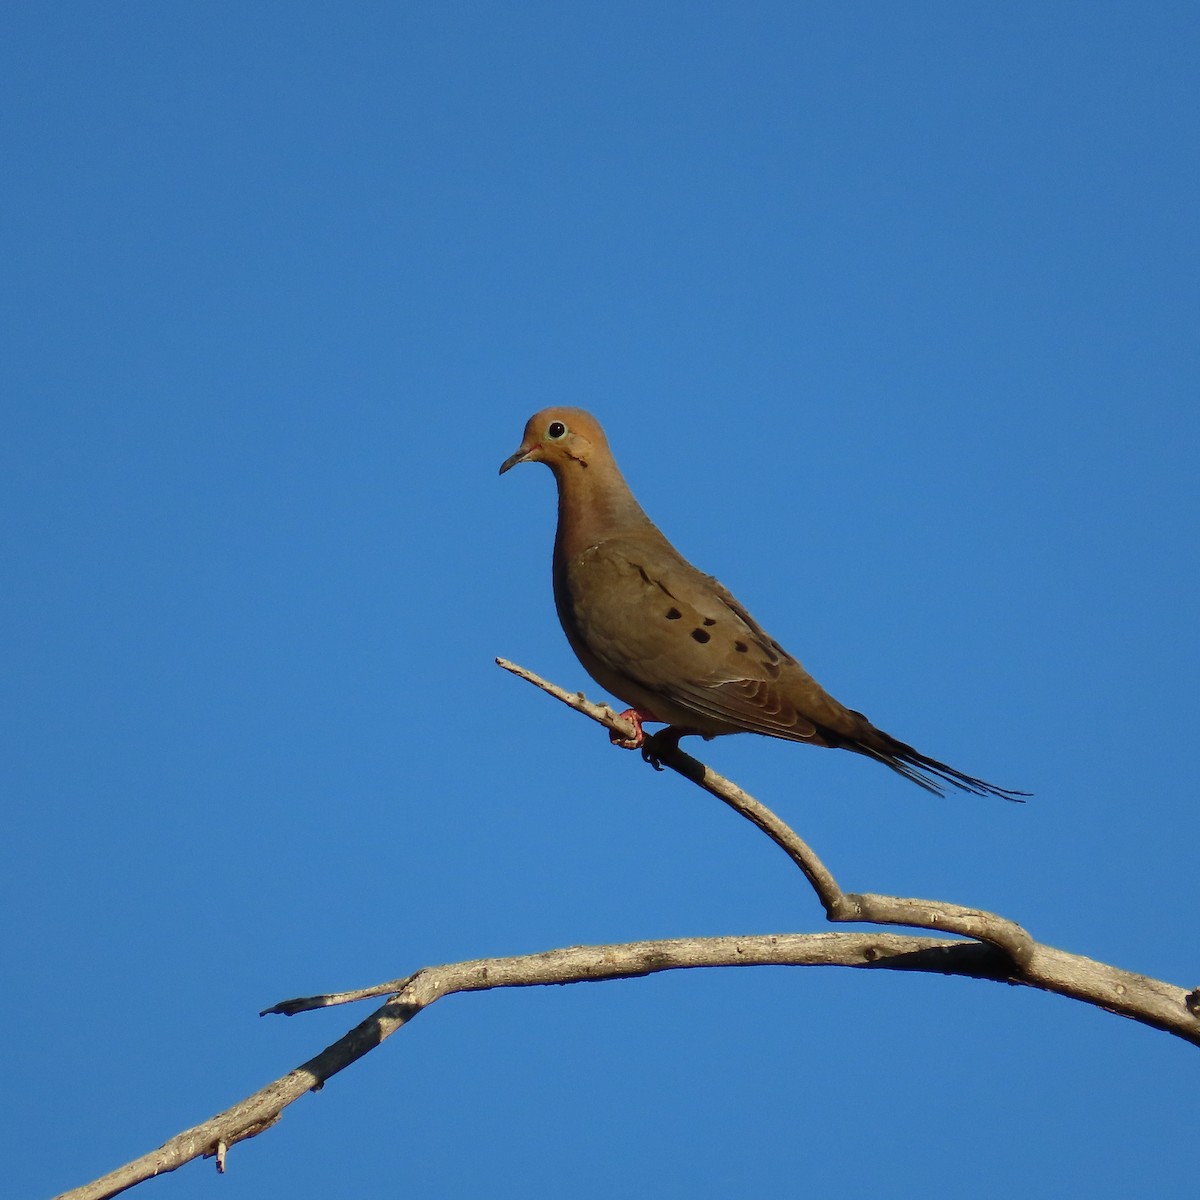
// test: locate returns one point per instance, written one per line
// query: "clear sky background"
(891, 312)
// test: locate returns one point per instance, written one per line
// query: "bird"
(672, 642)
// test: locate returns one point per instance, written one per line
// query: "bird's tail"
(925, 772)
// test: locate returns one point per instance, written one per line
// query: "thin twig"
(866, 907)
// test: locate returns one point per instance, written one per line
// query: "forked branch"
(1001, 951)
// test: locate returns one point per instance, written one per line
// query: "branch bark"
(1001, 951)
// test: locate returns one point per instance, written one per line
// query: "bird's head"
(562, 438)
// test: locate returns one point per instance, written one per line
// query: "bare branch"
(839, 906)
(1003, 952)
(1160, 1005)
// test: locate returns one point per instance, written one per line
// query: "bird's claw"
(639, 735)
(663, 742)
(652, 746)
(649, 755)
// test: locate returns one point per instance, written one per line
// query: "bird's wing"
(649, 616)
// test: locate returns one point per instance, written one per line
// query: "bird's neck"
(592, 507)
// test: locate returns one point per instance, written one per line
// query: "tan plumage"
(671, 641)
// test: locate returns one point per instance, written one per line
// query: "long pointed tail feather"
(926, 772)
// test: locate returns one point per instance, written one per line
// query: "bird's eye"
(556, 430)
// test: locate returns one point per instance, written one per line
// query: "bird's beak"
(523, 452)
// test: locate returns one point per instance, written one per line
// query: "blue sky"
(891, 314)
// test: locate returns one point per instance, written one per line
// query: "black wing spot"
(782, 652)
(709, 621)
(701, 635)
(740, 647)
(673, 614)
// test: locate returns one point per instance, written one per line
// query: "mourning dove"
(670, 641)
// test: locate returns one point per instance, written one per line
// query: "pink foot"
(635, 716)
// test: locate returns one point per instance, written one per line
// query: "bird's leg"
(665, 739)
(652, 745)
(635, 716)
